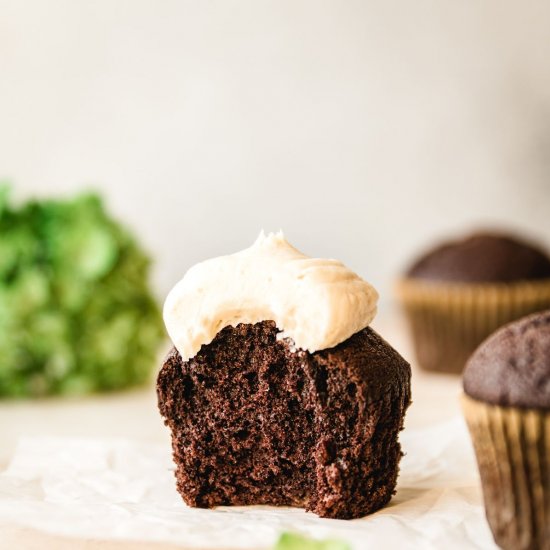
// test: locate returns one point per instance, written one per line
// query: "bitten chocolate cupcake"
(507, 408)
(460, 292)
(277, 391)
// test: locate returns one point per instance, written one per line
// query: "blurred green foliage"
(76, 311)
(293, 541)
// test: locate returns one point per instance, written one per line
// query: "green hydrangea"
(76, 310)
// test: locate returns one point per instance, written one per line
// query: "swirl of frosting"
(315, 302)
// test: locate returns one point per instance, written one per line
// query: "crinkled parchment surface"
(124, 489)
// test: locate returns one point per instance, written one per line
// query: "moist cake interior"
(254, 422)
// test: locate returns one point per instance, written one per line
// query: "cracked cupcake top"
(512, 367)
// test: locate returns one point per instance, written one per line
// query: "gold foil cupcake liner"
(512, 447)
(449, 320)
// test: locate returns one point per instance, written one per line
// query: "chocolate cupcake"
(277, 391)
(507, 408)
(457, 294)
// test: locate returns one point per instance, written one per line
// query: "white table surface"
(134, 415)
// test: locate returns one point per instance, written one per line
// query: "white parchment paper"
(120, 489)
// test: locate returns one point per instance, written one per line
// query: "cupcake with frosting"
(458, 293)
(277, 391)
(507, 408)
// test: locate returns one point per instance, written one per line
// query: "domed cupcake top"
(483, 258)
(315, 302)
(512, 367)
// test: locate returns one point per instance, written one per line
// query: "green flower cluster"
(76, 310)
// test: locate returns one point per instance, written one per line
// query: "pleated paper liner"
(449, 320)
(512, 447)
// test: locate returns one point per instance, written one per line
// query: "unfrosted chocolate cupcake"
(458, 293)
(507, 408)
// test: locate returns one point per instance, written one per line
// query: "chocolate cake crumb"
(254, 422)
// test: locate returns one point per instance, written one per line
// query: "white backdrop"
(364, 129)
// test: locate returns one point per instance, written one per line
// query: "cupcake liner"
(512, 447)
(449, 320)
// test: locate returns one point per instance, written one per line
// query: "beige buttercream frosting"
(317, 303)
